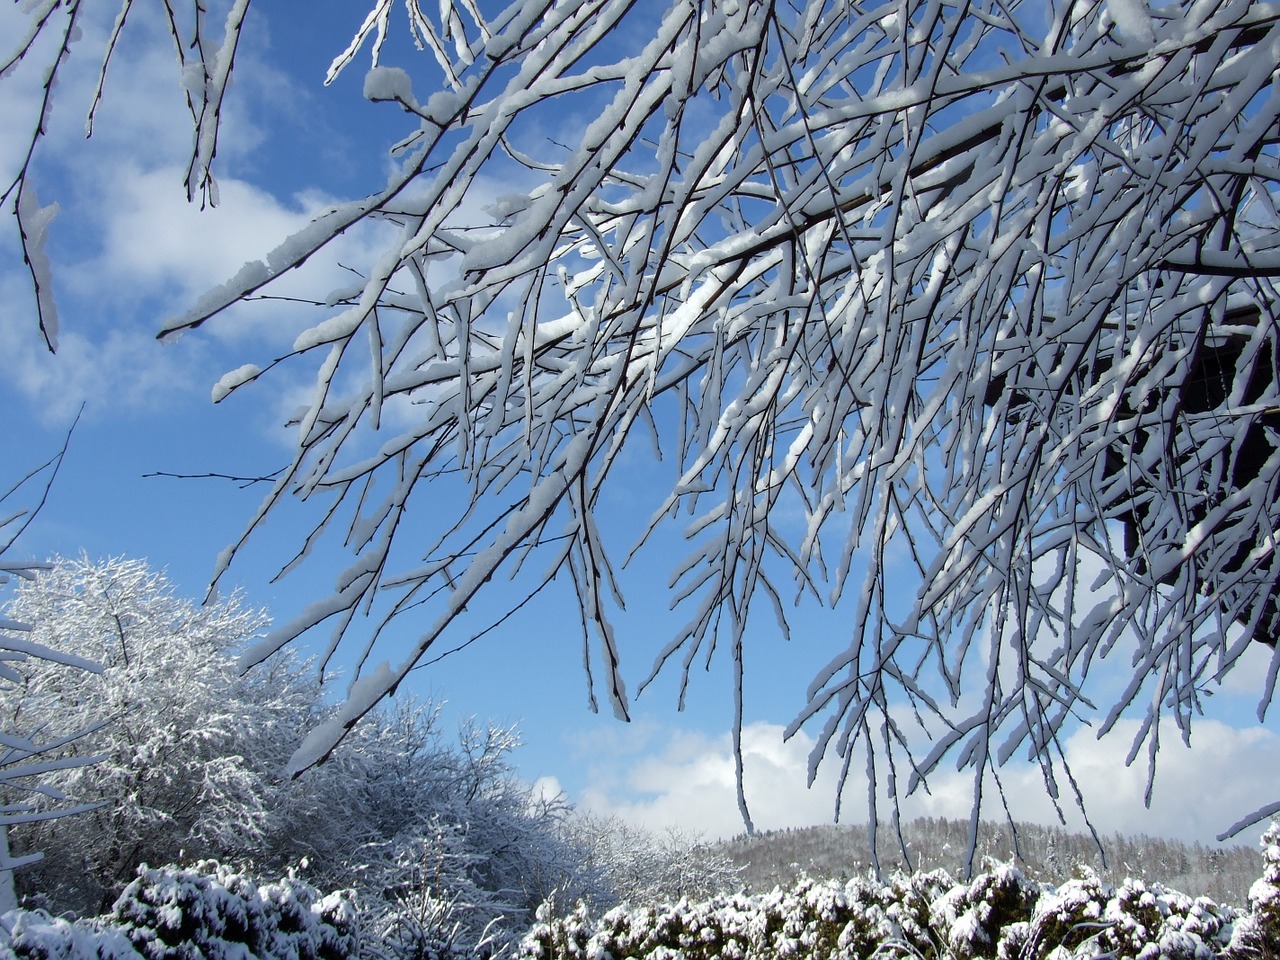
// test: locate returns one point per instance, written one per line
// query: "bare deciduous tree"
(984, 289)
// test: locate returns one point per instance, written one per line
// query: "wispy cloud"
(688, 781)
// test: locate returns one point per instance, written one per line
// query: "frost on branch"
(983, 295)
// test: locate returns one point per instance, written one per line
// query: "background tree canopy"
(961, 312)
(175, 756)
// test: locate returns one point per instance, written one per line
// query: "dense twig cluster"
(936, 277)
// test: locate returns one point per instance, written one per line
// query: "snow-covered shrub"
(975, 917)
(431, 904)
(213, 911)
(1258, 934)
(36, 935)
(424, 926)
(1000, 915)
(898, 911)
(207, 912)
(810, 921)
(1087, 917)
(438, 824)
(1071, 914)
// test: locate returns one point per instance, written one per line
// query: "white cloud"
(546, 790)
(155, 254)
(128, 249)
(1246, 678)
(1199, 791)
(688, 781)
(658, 778)
(153, 238)
(159, 251)
(103, 365)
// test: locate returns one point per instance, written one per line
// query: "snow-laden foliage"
(1260, 931)
(977, 298)
(437, 833)
(185, 743)
(215, 912)
(999, 915)
(207, 912)
(193, 758)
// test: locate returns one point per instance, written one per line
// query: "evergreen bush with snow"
(207, 912)
(1260, 931)
(215, 911)
(1000, 915)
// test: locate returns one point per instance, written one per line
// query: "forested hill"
(1223, 874)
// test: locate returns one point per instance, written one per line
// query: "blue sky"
(129, 252)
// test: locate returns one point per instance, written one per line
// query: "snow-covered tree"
(640, 866)
(430, 830)
(984, 292)
(178, 729)
(441, 839)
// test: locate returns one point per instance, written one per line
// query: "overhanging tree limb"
(917, 272)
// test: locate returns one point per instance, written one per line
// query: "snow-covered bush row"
(1001, 915)
(208, 912)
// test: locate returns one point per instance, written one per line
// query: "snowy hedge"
(1000, 915)
(212, 912)
(209, 912)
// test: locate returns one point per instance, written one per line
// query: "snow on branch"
(205, 64)
(29, 752)
(983, 294)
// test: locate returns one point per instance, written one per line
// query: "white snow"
(35, 221)
(389, 83)
(233, 379)
(1133, 20)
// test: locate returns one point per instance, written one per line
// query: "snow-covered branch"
(984, 293)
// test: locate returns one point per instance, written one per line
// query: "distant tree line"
(1048, 854)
